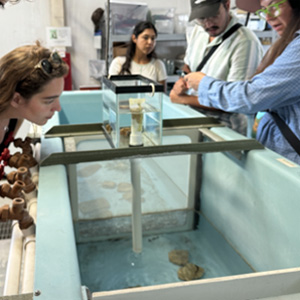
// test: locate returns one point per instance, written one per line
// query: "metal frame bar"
(176, 149)
(97, 128)
(219, 145)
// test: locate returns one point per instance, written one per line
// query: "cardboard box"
(119, 49)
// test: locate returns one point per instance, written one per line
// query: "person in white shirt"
(236, 57)
(141, 57)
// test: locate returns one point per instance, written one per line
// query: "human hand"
(176, 98)
(193, 79)
(184, 99)
(180, 86)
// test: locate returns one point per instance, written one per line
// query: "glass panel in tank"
(104, 192)
(133, 82)
(119, 116)
(105, 188)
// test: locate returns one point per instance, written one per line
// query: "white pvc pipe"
(29, 248)
(29, 244)
(32, 204)
(35, 177)
(137, 234)
(13, 270)
(14, 265)
(29, 265)
(37, 152)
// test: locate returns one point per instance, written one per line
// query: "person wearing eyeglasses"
(237, 54)
(275, 88)
(140, 56)
(31, 82)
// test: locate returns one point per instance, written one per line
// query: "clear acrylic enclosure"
(132, 110)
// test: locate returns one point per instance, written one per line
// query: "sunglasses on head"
(46, 64)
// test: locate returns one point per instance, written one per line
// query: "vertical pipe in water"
(135, 165)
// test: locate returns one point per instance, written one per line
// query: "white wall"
(26, 22)
(78, 17)
(23, 23)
